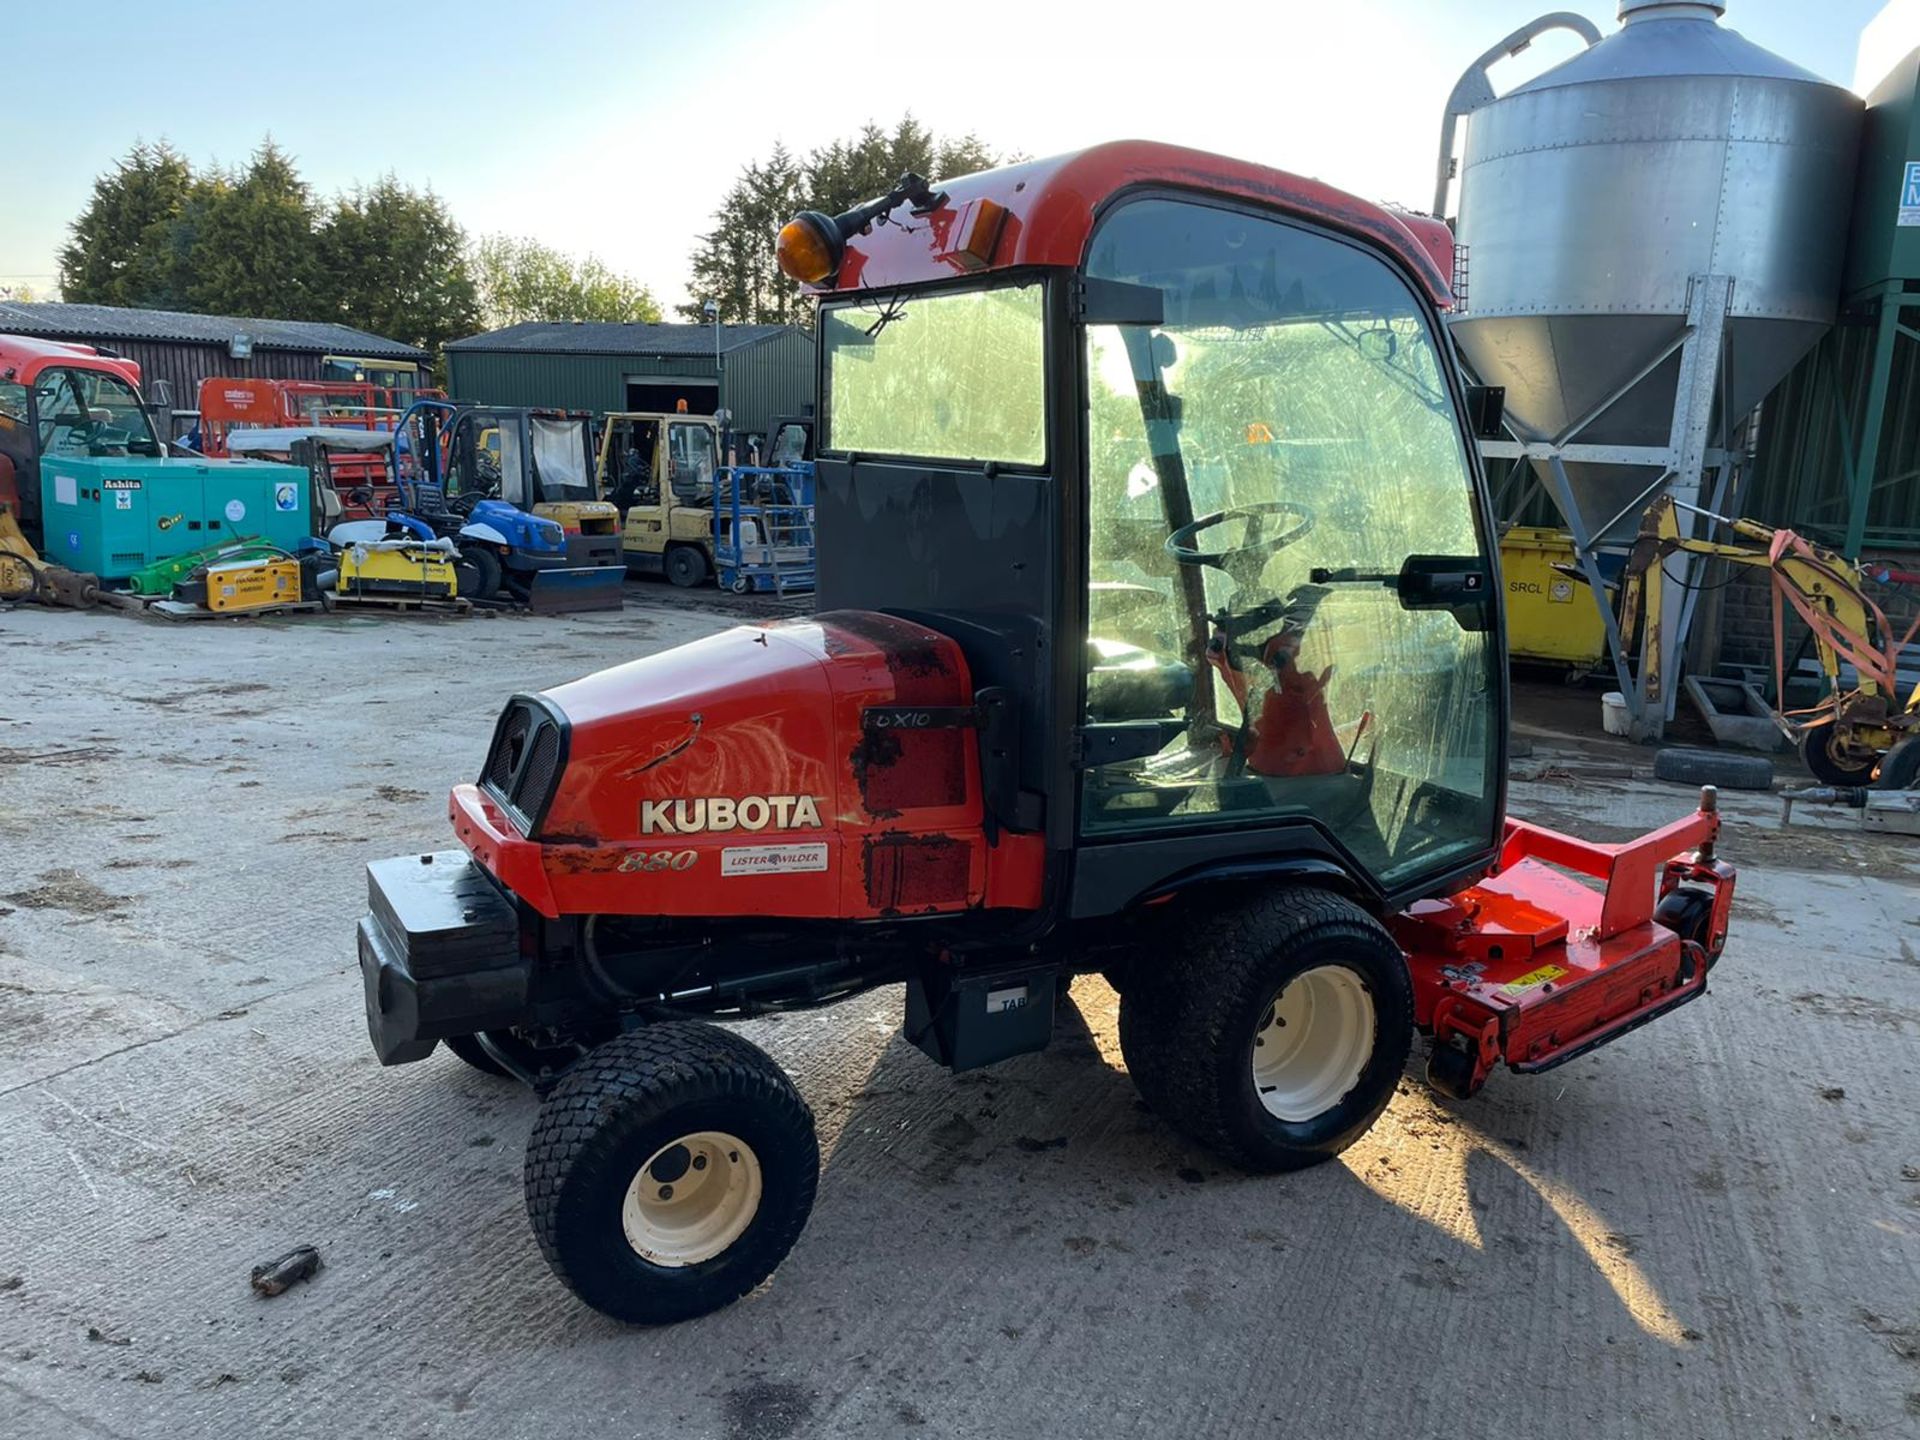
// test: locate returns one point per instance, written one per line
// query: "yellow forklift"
(659, 470)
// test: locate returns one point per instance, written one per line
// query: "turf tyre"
(619, 1106)
(1188, 1025)
(487, 574)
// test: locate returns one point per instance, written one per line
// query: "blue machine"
(763, 528)
(499, 542)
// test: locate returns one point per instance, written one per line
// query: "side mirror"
(1486, 410)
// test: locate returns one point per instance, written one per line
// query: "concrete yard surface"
(1710, 1228)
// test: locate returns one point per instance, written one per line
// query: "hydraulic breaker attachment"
(1531, 967)
(24, 576)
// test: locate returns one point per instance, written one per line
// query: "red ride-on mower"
(1159, 637)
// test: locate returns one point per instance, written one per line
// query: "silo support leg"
(1590, 567)
(1697, 388)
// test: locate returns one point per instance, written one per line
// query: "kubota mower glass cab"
(1157, 636)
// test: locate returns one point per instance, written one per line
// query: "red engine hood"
(743, 770)
(765, 712)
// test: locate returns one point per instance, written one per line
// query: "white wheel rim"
(1313, 1042)
(693, 1198)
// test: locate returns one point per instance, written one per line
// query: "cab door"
(1292, 640)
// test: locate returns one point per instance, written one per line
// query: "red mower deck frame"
(1532, 968)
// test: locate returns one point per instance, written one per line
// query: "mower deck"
(1532, 967)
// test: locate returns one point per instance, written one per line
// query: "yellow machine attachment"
(25, 576)
(397, 570)
(239, 586)
(1844, 737)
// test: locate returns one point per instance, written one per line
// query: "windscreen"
(560, 457)
(1269, 466)
(90, 412)
(948, 375)
(691, 461)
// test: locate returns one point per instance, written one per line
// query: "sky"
(615, 128)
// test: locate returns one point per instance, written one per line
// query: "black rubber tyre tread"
(534, 1057)
(1688, 912)
(1187, 1022)
(1900, 767)
(1822, 765)
(1687, 766)
(468, 1049)
(581, 1152)
(487, 574)
(685, 565)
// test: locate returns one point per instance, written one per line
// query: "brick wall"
(1746, 634)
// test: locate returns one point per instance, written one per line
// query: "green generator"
(111, 515)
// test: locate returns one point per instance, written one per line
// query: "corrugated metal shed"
(184, 349)
(766, 371)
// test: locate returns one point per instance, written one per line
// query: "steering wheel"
(1180, 544)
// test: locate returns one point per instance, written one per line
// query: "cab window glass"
(1274, 471)
(690, 460)
(90, 412)
(955, 375)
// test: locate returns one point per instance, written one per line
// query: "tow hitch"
(1532, 967)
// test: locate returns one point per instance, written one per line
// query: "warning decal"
(1532, 980)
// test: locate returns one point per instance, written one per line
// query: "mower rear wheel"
(686, 566)
(670, 1172)
(486, 572)
(1276, 1037)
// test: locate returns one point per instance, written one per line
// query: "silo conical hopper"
(1674, 182)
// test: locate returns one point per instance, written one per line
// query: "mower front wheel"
(1276, 1036)
(670, 1172)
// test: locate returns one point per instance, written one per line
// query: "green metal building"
(762, 372)
(1839, 451)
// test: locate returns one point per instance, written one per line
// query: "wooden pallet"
(181, 610)
(407, 604)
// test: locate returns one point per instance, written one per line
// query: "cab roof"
(23, 357)
(1052, 204)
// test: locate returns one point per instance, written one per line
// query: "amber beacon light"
(812, 244)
